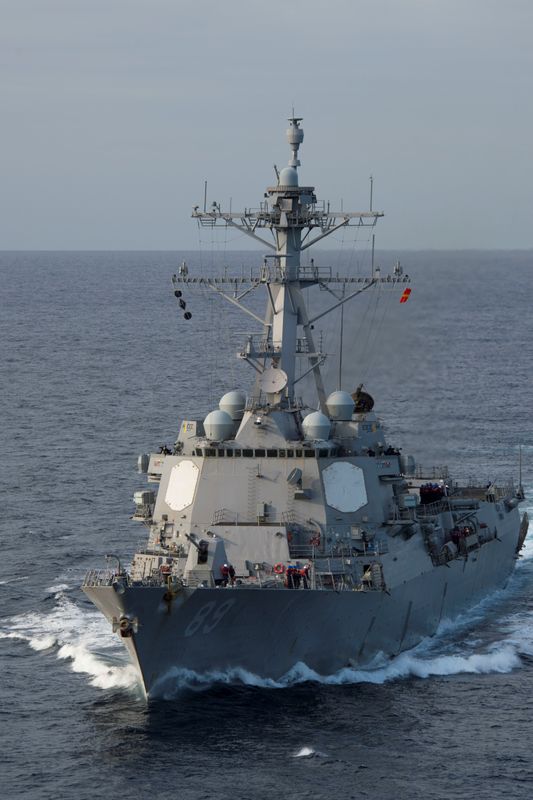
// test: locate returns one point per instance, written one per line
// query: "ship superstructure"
(281, 533)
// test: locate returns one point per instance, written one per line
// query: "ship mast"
(295, 220)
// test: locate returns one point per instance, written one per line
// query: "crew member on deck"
(228, 574)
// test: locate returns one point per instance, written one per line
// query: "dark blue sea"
(99, 365)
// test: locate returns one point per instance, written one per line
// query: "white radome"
(233, 403)
(288, 177)
(316, 426)
(340, 405)
(218, 426)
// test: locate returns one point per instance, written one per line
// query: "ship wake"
(80, 637)
(414, 663)
(491, 638)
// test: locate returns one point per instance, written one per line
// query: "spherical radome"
(340, 405)
(288, 177)
(218, 426)
(233, 403)
(316, 426)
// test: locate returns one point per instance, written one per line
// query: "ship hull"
(267, 631)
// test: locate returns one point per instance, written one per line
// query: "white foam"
(308, 752)
(304, 752)
(14, 580)
(180, 678)
(502, 659)
(61, 587)
(430, 658)
(84, 638)
(102, 674)
(42, 642)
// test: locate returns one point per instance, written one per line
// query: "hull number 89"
(207, 617)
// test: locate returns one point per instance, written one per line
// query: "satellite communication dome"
(316, 426)
(218, 426)
(233, 403)
(340, 405)
(288, 177)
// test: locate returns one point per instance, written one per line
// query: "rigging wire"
(356, 334)
(341, 314)
(207, 303)
(367, 333)
(386, 303)
(350, 272)
(226, 321)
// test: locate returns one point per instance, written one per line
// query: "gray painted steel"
(268, 547)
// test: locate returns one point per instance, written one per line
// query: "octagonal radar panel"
(182, 485)
(273, 380)
(344, 485)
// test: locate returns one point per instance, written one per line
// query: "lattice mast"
(296, 221)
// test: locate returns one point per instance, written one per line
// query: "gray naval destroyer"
(282, 533)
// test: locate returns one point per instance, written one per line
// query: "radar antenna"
(295, 220)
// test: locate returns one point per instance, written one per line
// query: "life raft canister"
(279, 569)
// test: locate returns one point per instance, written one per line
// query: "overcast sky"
(114, 112)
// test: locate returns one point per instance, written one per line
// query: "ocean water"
(98, 365)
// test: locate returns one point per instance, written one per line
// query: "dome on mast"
(288, 177)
